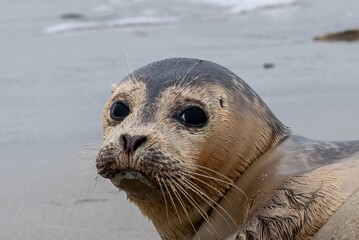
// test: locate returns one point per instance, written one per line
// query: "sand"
(53, 87)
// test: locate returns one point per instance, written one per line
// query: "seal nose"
(131, 143)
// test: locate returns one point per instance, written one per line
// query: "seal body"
(203, 157)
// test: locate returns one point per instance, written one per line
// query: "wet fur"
(211, 180)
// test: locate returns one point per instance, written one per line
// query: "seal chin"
(136, 185)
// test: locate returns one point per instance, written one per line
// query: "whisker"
(93, 145)
(84, 194)
(174, 190)
(194, 203)
(219, 180)
(197, 166)
(129, 67)
(206, 198)
(173, 203)
(73, 178)
(221, 194)
(191, 200)
(92, 185)
(229, 181)
(164, 197)
(189, 70)
(128, 76)
(69, 179)
(206, 175)
(79, 175)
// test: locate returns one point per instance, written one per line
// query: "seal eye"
(194, 116)
(119, 111)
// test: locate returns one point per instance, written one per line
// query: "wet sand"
(53, 87)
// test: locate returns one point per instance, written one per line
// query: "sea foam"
(238, 6)
(105, 24)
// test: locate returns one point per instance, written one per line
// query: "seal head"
(177, 134)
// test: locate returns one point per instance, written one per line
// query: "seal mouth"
(136, 185)
(120, 178)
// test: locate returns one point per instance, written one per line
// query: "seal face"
(186, 138)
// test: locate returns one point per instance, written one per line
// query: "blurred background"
(59, 58)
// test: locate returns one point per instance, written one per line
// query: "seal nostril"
(132, 143)
(139, 142)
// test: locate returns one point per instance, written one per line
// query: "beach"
(57, 63)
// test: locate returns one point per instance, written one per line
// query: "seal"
(203, 157)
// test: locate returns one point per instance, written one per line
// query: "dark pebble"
(72, 16)
(268, 65)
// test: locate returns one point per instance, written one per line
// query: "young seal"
(203, 157)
